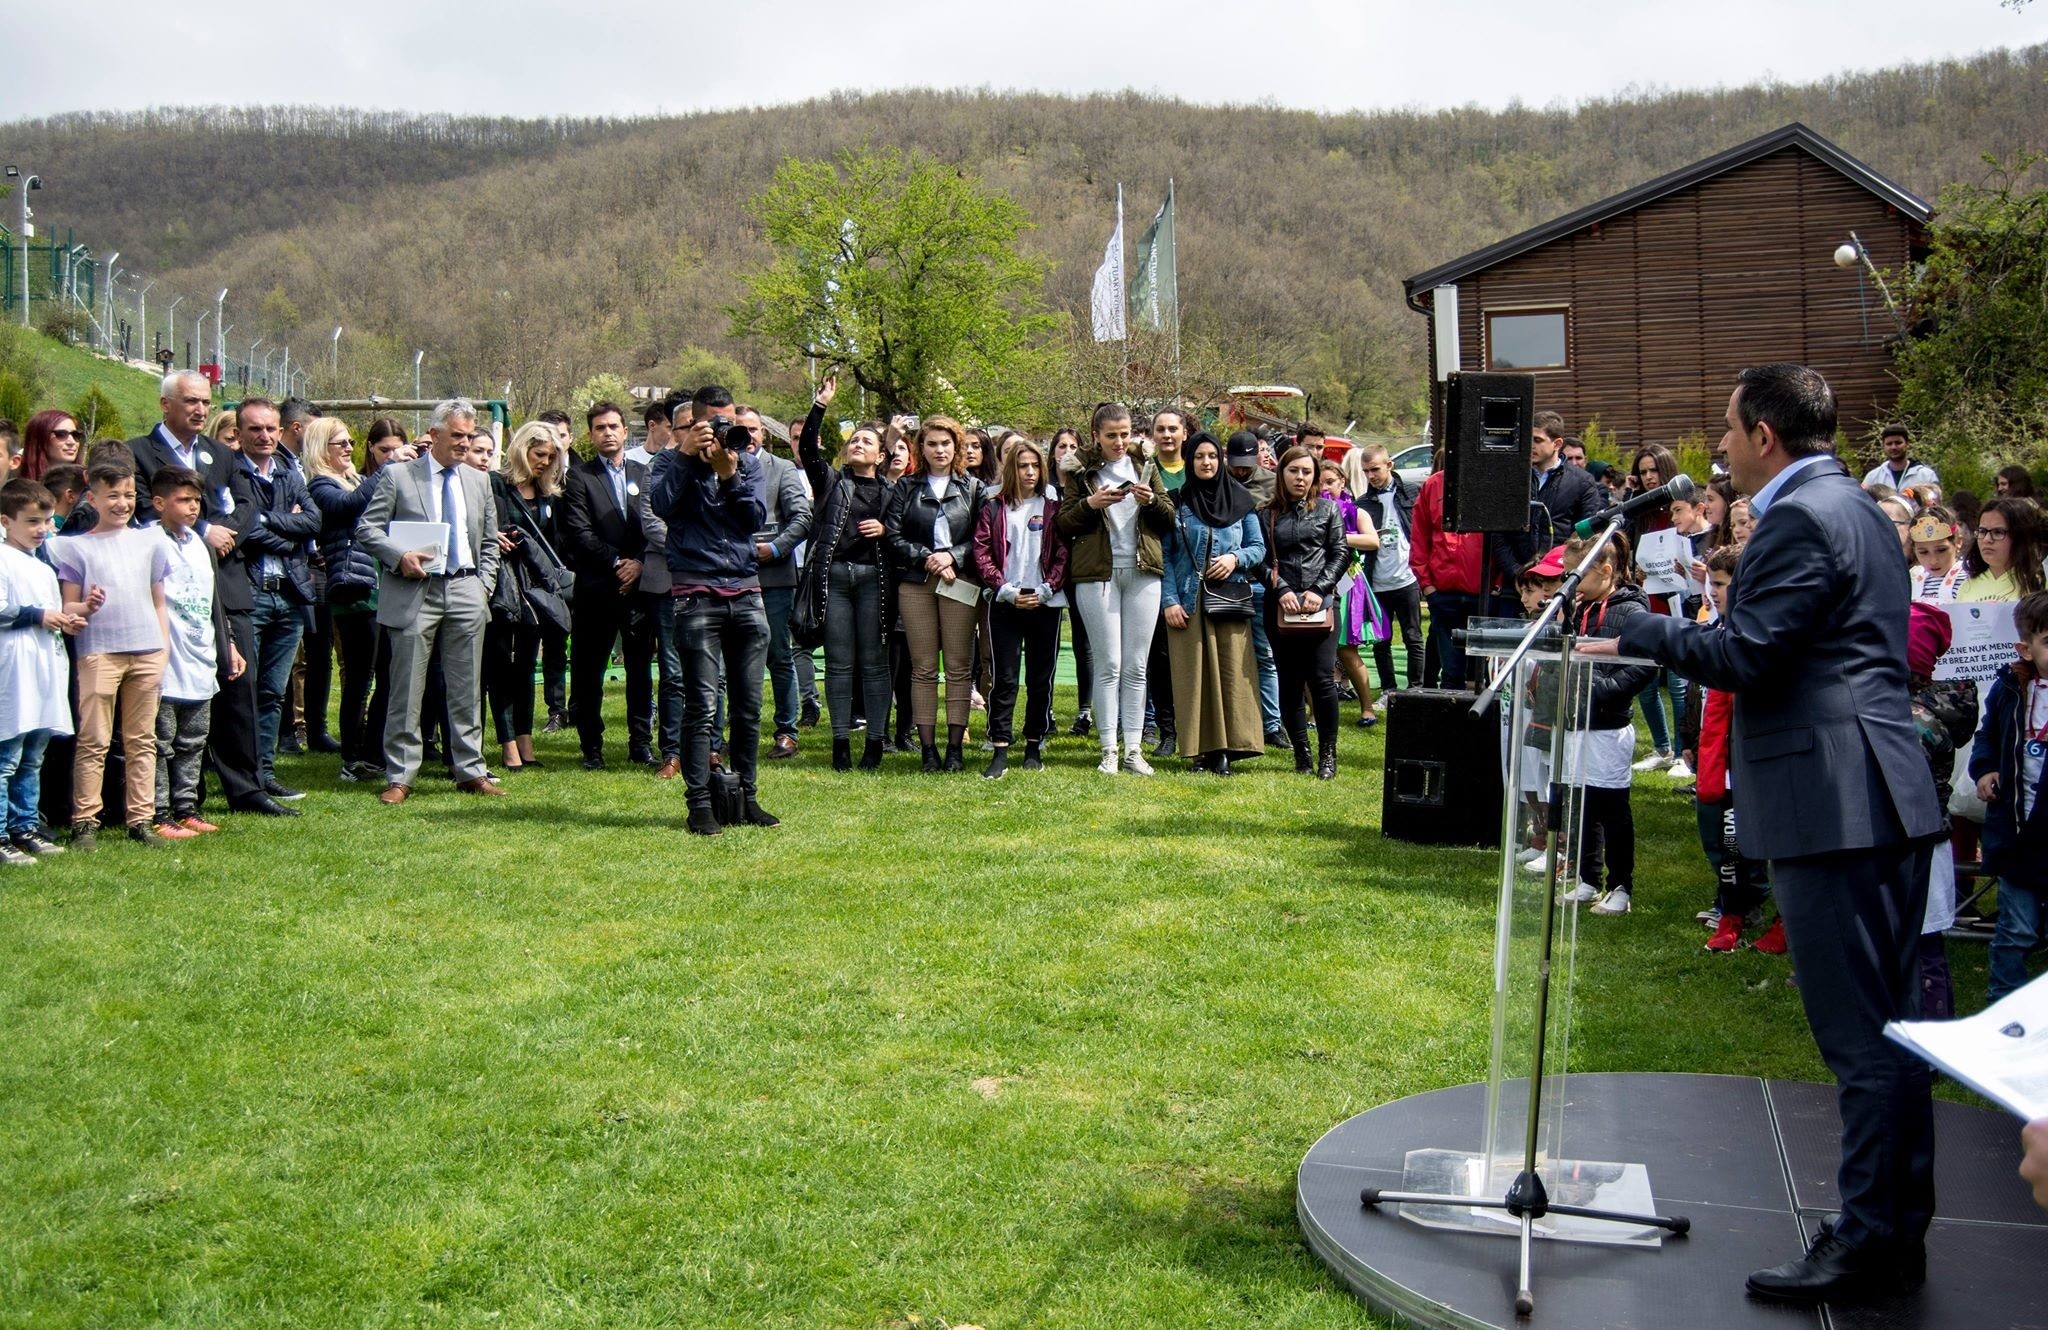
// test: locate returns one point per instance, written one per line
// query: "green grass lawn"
(72, 370)
(1038, 1053)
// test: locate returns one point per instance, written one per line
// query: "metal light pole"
(284, 371)
(113, 271)
(337, 353)
(27, 183)
(171, 324)
(71, 273)
(266, 369)
(142, 307)
(198, 336)
(220, 344)
(417, 357)
(220, 335)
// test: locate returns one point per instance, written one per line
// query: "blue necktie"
(448, 518)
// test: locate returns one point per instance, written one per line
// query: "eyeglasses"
(67, 433)
(1985, 533)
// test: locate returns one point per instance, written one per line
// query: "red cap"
(1550, 565)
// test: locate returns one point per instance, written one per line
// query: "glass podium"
(1521, 1180)
(1543, 786)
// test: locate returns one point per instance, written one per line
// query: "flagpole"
(1174, 212)
(1123, 357)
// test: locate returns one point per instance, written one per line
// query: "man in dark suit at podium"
(1831, 788)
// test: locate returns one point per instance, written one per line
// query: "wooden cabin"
(1640, 309)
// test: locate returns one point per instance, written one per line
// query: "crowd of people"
(177, 603)
(208, 580)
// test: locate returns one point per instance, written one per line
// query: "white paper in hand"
(429, 538)
(2001, 1052)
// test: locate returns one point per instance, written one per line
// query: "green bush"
(67, 323)
(97, 415)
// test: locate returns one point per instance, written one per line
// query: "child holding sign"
(2006, 762)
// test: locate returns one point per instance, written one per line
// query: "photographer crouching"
(708, 488)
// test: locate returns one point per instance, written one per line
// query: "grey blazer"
(1825, 757)
(655, 578)
(789, 517)
(402, 496)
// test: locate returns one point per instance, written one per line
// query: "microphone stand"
(1527, 1199)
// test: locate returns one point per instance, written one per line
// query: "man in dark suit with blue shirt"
(1833, 791)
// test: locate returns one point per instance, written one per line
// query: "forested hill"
(545, 251)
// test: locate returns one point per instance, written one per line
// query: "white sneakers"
(1678, 770)
(1614, 902)
(1582, 894)
(1107, 766)
(1135, 763)
(1656, 761)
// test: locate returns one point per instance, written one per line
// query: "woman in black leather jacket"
(930, 521)
(1308, 557)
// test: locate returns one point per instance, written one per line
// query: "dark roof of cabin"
(1794, 135)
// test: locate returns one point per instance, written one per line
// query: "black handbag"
(546, 582)
(508, 598)
(1222, 601)
(728, 799)
(807, 606)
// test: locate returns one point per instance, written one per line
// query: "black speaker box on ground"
(1442, 784)
(1487, 420)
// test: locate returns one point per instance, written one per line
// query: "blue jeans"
(1661, 738)
(714, 632)
(778, 601)
(21, 779)
(279, 622)
(1262, 653)
(2018, 932)
(1448, 612)
(669, 669)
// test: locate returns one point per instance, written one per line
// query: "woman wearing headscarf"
(1215, 544)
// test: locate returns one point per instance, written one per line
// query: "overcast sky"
(589, 57)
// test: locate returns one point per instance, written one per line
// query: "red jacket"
(1712, 771)
(1443, 560)
(992, 546)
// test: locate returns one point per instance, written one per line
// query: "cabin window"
(1526, 339)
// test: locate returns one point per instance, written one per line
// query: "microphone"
(1680, 490)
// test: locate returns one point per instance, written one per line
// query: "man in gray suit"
(789, 525)
(415, 606)
(1831, 788)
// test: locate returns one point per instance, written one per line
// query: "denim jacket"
(1191, 544)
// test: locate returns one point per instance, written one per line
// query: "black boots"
(1303, 763)
(997, 764)
(1033, 759)
(842, 754)
(956, 735)
(1326, 758)
(931, 759)
(871, 753)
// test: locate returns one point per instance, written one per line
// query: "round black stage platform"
(1751, 1163)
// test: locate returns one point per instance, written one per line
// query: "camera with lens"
(731, 435)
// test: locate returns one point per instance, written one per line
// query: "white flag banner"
(1106, 300)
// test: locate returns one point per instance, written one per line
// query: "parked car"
(1411, 464)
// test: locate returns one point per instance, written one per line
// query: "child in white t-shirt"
(118, 572)
(198, 640)
(35, 701)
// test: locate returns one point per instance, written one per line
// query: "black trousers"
(232, 741)
(599, 617)
(555, 671)
(1305, 661)
(510, 653)
(355, 638)
(1853, 921)
(1609, 837)
(1032, 636)
(1159, 678)
(1084, 662)
(318, 645)
(1404, 607)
